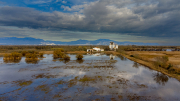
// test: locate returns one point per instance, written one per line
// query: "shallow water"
(97, 77)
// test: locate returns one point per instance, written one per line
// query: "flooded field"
(98, 77)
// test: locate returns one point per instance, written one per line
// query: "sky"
(148, 21)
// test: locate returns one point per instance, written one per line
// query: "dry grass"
(174, 57)
(46, 52)
(170, 67)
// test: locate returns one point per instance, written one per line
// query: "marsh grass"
(66, 57)
(31, 58)
(41, 55)
(86, 79)
(161, 61)
(24, 53)
(60, 49)
(79, 56)
(14, 57)
(137, 56)
(58, 54)
(24, 83)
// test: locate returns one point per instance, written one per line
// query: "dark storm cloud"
(155, 18)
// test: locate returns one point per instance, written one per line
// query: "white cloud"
(151, 18)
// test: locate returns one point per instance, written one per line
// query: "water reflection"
(136, 65)
(32, 62)
(112, 57)
(80, 61)
(95, 54)
(66, 61)
(160, 78)
(122, 58)
(12, 61)
(93, 78)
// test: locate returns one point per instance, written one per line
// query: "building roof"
(111, 43)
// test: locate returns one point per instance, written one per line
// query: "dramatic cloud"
(151, 18)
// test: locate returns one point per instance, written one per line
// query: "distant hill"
(34, 41)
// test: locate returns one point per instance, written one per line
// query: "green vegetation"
(79, 56)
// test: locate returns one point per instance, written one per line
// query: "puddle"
(97, 77)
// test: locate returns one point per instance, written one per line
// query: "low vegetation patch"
(24, 53)
(79, 56)
(12, 56)
(41, 55)
(66, 57)
(86, 79)
(161, 61)
(31, 58)
(58, 54)
(60, 49)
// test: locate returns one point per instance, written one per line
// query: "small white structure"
(102, 50)
(97, 48)
(113, 46)
(89, 50)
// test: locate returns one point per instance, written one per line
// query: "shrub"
(161, 61)
(131, 55)
(58, 54)
(24, 53)
(12, 56)
(79, 56)
(169, 66)
(66, 57)
(31, 57)
(41, 55)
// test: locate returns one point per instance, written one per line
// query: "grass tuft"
(79, 56)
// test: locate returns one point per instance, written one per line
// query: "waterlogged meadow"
(95, 77)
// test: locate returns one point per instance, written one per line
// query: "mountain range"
(34, 41)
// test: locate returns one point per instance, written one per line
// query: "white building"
(89, 50)
(113, 46)
(97, 48)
